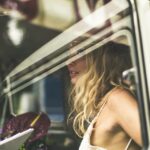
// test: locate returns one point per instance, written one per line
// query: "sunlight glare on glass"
(15, 34)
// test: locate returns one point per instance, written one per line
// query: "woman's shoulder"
(119, 97)
(119, 91)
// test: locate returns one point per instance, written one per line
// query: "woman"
(102, 100)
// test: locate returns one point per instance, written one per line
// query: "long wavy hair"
(104, 71)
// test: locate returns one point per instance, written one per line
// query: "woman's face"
(76, 68)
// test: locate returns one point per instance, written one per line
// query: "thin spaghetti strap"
(128, 144)
(105, 100)
(101, 108)
(103, 105)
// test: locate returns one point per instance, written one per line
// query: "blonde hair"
(98, 79)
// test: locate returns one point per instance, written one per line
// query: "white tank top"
(85, 143)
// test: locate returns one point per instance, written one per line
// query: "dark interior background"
(33, 38)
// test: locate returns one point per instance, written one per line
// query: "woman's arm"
(125, 109)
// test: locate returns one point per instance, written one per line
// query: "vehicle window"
(46, 95)
(50, 93)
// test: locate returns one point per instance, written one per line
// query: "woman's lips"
(73, 74)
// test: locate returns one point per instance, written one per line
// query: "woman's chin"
(73, 80)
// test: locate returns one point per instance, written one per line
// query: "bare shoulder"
(121, 98)
(123, 106)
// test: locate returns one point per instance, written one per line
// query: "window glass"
(46, 95)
